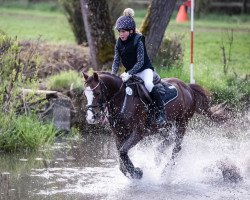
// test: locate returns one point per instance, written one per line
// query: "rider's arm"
(117, 61)
(140, 59)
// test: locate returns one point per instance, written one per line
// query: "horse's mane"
(107, 73)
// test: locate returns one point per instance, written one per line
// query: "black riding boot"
(160, 118)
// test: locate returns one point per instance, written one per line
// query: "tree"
(155, 23)
(73, 13)
(99, 31)
(115, 8)
(74, 16)
(244, 7)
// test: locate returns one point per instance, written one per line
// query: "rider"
(130, 50)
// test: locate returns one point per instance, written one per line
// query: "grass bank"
(24, 132)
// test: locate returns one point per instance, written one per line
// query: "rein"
(116, 92)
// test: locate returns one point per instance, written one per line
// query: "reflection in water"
(88, 168)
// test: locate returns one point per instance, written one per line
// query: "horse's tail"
(203, 102)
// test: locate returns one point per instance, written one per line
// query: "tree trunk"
(244, 7)
(155, 23)
(74, 17)
(99, 31)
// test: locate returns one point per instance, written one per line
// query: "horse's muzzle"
(91, 117)
(92, 121)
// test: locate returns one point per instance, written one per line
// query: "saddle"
(167, 91)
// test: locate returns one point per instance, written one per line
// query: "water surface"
(87, 168)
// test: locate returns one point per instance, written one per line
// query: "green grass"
(209, 32)
(208, 60)
(24, 132)
(65, 80)
(33, 24)
(52, 5)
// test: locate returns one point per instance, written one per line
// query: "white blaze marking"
(90, 96)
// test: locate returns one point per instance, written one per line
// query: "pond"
(87, 168)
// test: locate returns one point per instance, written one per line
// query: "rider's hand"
(125, 76)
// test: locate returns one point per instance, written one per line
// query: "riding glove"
(125, 76)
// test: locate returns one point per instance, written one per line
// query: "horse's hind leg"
(167, 141)
(180, 131)
(126, 165)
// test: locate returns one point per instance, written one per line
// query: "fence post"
(4, 185)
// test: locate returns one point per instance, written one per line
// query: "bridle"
(103, 102)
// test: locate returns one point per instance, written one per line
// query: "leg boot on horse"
(160, 118)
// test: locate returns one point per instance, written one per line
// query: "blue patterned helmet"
(126, 22)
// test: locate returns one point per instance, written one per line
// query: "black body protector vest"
(128, 52)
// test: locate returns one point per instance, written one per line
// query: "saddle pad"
(168, 92)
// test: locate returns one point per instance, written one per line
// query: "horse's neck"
(116, 101)
(116, 91)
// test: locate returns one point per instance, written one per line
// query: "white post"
(192, 44)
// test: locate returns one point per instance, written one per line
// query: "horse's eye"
(97, 94)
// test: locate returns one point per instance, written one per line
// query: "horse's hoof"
(137, 174)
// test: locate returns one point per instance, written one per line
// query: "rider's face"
(123, 34)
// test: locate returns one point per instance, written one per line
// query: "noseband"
(101, 102)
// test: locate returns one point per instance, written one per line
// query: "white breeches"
(147, 76)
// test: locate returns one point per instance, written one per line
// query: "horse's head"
(95, 94)
(99, 90)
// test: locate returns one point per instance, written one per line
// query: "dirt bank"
(56, 58)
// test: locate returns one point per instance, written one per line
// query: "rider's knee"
(149, 86)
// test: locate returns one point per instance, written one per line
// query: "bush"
(236, 92)
(19, 131)
(66, 80)
(170, 53)
(18, 70)
(24, 132)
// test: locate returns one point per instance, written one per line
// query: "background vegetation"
(65, 80)
(211, 33)
(24, 132)
(20, 129)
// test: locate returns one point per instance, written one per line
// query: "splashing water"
(197, 174)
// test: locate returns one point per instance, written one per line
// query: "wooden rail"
(244, 5)
(229, 4)
(26, 91)
(241, 5)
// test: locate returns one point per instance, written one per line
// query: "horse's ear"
(95, 75)
(86, 76)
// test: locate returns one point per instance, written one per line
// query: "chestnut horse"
(128, 113)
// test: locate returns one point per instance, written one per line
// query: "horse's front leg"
(126, 165)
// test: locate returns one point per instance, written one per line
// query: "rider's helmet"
(126, 22)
